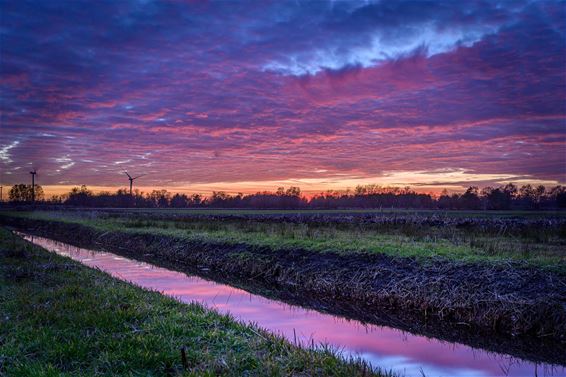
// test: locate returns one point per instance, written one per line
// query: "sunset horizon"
(240, 98)
(308, 187)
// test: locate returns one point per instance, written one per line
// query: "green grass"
(59, 318)
(540, 248)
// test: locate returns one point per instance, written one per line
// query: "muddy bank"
(504, 306)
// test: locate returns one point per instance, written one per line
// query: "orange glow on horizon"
(433, 183)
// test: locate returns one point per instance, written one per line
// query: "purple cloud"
(232, 92)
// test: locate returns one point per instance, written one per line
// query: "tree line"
(506, 197)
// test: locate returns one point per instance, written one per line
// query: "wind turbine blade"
(125, 172)
(139, 176)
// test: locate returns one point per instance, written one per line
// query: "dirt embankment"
(504, 299)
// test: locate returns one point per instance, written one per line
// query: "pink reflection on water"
(384, 347)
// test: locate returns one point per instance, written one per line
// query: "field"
(490, 279)
(61, 318)
(536, 238)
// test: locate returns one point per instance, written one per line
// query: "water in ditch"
(384, 347)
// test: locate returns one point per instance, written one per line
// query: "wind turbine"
(33, 173)
(132, 180)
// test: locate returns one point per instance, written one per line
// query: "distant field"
(534, 237)
(237, 212)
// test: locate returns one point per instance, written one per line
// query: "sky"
(250, 95)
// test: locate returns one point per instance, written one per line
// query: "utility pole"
(33, 173)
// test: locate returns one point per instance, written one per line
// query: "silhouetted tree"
(79, 196)
(470, 199)
(293, 191)
(24, 193)
(159, 198)
(558, 195)
(197, 200)
(499, 198)
(367, 196)
(180, 201)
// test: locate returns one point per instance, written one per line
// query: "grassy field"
(61, 318)
(391, 211)
(505, 276)
(489, 241)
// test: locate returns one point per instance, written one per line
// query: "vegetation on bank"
(505, 298)
(61, 318)
(487, 240)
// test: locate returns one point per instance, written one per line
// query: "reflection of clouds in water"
(410, 367)
(384, 347)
